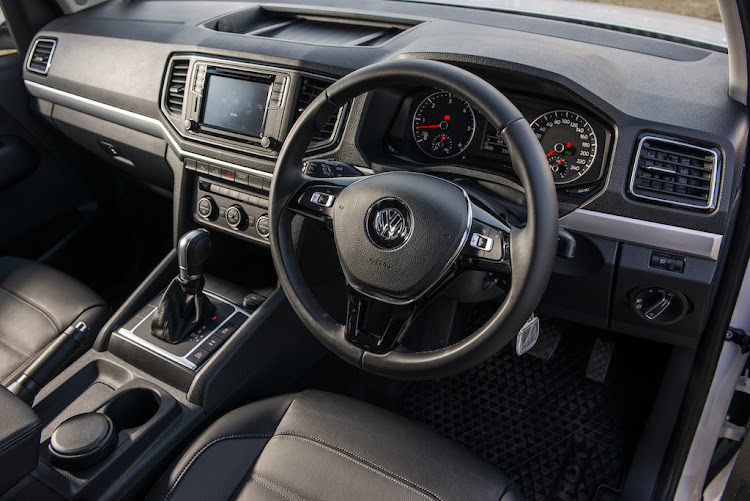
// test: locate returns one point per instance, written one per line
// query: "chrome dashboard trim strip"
(636, 231)
(134, 121)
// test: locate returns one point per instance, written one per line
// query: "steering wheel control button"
(322, 199)
(389, 223)
(236, 217)
(481, 242)
(497, 251)
(207, 208)
(262, 226)
(82, 441)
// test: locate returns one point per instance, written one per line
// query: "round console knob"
(236, 217)
(268, 142)
(262, 226)
(658, 305)
(82, 441)
(207, 208)
(190, 124)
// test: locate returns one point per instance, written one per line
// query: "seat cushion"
(37, 303)
(315, 446)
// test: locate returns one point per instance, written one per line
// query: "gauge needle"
(428, 126)
(558, 163)
(551, 152)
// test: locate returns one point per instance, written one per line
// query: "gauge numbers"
(568, 141)
(443, 125)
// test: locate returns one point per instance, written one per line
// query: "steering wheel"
(402, 236)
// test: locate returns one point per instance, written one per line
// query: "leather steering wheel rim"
(532, 248)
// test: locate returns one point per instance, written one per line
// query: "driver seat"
(315, 446)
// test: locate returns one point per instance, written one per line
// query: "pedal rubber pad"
(601, 356)
(546, 344)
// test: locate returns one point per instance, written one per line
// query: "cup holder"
(132, 408)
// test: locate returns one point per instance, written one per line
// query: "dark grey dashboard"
(669, 143)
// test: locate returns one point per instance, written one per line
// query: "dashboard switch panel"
(232, 208)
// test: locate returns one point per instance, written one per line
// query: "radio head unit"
(235, 102)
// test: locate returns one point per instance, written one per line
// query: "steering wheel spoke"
(316, 197)
(374, 325)
(487, 247)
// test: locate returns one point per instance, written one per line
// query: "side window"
(7, 46)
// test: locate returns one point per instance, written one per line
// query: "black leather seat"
(315, 446)
(37, 303)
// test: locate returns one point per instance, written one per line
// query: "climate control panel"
(239, 211)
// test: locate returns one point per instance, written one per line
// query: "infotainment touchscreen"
(235, 105)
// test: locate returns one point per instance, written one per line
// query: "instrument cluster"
(436, 126)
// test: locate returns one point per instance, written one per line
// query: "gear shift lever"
(184, 305)
(192, 253)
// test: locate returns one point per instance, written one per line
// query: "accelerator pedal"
(601, 356)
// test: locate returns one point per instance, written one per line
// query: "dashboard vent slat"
(676, 173)
(309, 90)
(40, 57)
(176, 83)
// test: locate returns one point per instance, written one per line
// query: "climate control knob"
(236, 217)
(207, 208)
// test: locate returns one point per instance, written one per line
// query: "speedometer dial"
(443, 125)
(569, 142)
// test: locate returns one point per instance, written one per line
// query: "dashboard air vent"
(176, 84)
(676, 173)
(41, 55)
(309, 90)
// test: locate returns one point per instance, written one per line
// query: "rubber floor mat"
(559, 435)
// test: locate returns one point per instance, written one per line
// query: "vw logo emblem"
(388, 223)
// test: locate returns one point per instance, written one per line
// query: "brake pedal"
(549, 339)
(599, 360)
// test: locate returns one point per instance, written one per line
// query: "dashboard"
(644, 144)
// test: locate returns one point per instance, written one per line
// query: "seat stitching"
(362, 462)
(15, 347)
(203, 449)
(262, 480)
(39, 308)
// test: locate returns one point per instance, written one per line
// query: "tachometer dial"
(443, 125)
(569, 142)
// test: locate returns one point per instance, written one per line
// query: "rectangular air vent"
(41, 55)
(308, 91)
(676, 173)
(176, 85)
